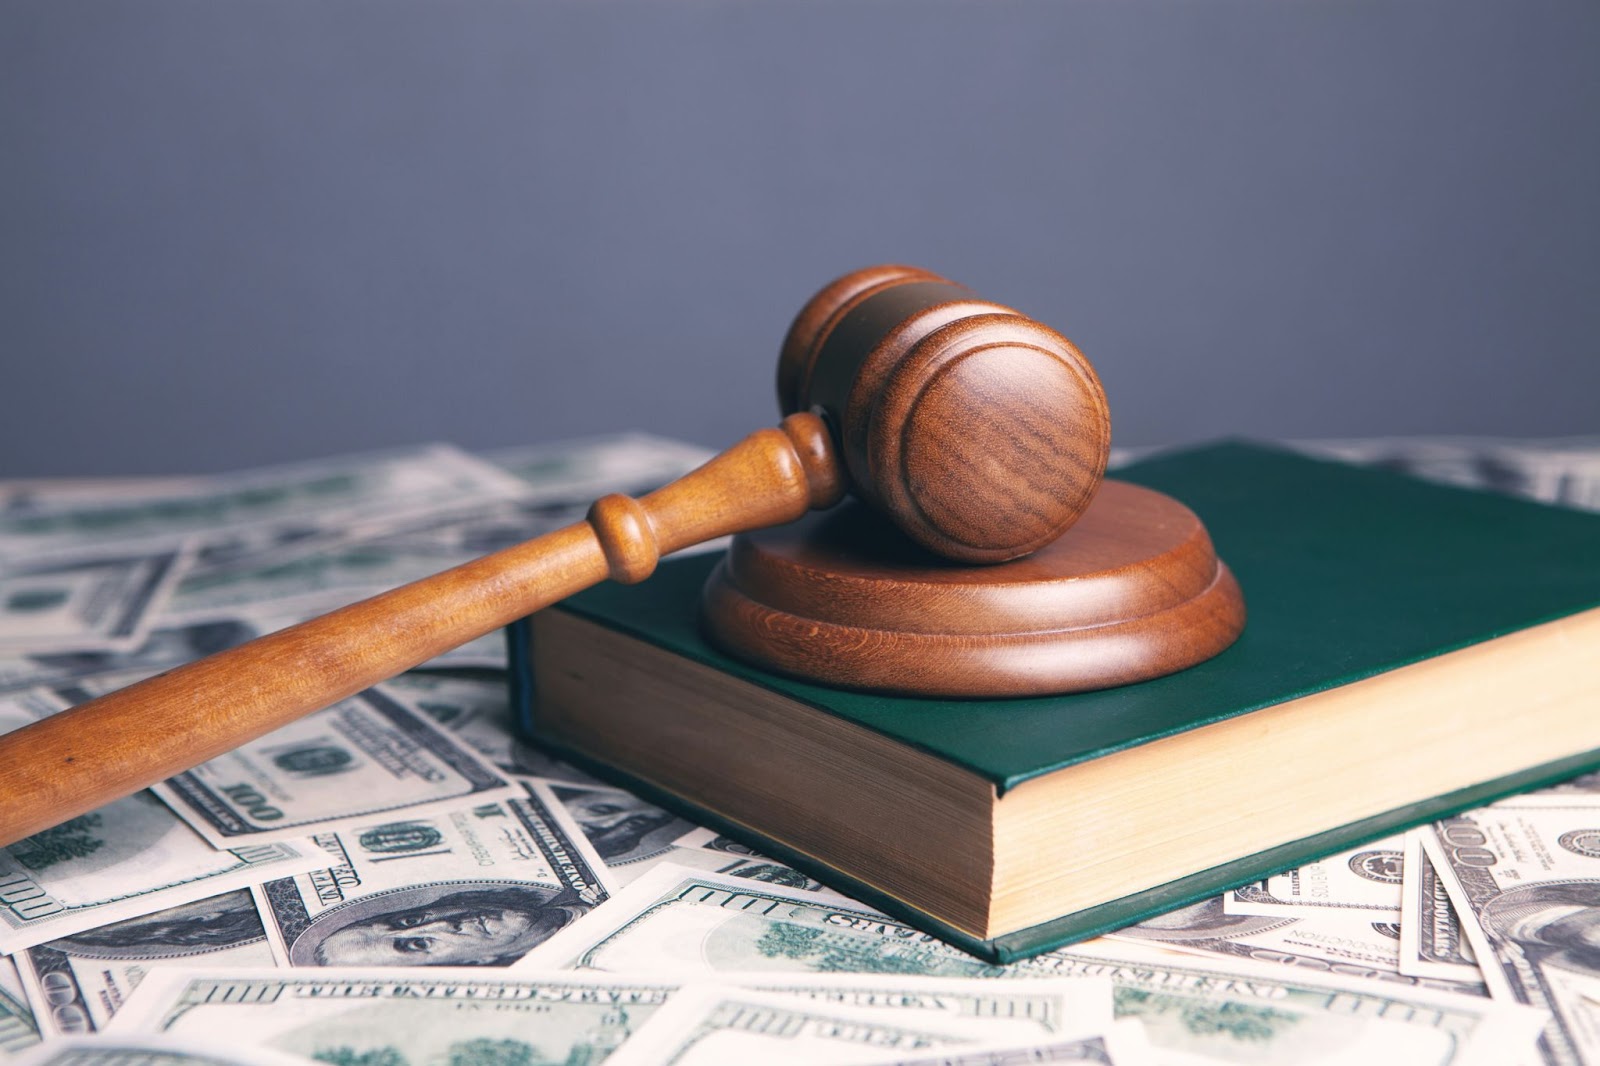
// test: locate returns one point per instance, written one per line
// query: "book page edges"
(840, 789)
(1227, 802)
(1261, 780)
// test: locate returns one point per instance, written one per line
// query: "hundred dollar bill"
(1248, 1012)
(10, 982)
(758, 868)
(361, 554)
(1046, 1006)
(629, 461)
(128, 858)
(338, 575)
(125, 859)
(475, 706)
(700, 925)
(488, 527)
(1589, 782)
(701, 836)
(727, 846)
(364, 757)
(1334, 941)
(440, 1013)
(18, 1029)
(102, 602)
(342, 565)
(1364, 880)
(18, 709)
(1526, 882)
(396, 1016)
(562, 482)
(705, 849)
(136, 1049)
(271, 579)
(478, 886)
(485, 652)
(399, 482)
(491, 527)
(81, 981)
(626, 831)
(1580, 789)
(1431, 941)
(712, 1025)
(231, 566)
(1557, 470)
(165, 647)
(1120, 1044)
(20, 496)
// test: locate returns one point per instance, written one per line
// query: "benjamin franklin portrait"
(453, 923)
(622, 827)
(1556, 923)
(206, 925)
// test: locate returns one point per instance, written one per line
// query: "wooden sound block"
(1133, 591)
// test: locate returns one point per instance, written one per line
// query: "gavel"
(982, 434)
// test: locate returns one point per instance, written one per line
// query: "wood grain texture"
(107, 748)
(983, 433)
(1133, 591)
(817, 319)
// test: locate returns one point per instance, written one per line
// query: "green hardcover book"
(1411, 650)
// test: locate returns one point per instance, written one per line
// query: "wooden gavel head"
(982, 433)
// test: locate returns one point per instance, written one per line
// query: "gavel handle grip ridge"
(110, 747)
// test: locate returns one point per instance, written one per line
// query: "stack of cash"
(398, 881)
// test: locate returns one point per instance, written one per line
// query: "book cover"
(1347, 572)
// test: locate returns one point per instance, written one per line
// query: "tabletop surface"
(406, 882)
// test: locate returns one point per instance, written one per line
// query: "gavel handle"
(100, 751)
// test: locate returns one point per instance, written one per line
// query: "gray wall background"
(247, 232)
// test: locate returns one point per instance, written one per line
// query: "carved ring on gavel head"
(983, 434)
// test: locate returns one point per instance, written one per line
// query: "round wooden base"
(1132, 591)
